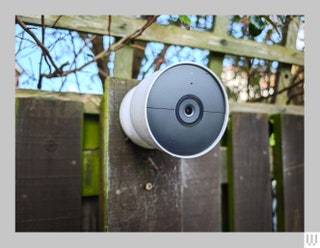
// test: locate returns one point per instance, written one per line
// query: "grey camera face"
(187, 109)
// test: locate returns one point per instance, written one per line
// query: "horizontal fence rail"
(173, 35)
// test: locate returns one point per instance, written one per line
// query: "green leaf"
(256, 25)
(257, 22)
(185, 19)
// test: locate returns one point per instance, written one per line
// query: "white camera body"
(182, 110)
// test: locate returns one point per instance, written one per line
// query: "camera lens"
(189, 110)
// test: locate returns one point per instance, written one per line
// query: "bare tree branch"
(121, 43)
(109, 29)
(43, 48)
(125, 40)
(56, 21)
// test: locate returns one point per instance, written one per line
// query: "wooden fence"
(76, 170)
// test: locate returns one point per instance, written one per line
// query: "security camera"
(181, 110)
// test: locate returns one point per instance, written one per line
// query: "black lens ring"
(189, 101)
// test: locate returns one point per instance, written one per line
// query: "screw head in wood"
(148, 186)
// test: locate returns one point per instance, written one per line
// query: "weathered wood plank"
(249, 174)
(90, 102)
(123, 63)
(170, 34)
(129, 206)
(48, 165)
(201, 199)
(269, 109)
(289, 172)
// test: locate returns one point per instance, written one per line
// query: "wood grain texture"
(249, 174)
(171, 34)
(129, 168)
(185, 193)
(289, 172)
(48, 165)
(201, 181)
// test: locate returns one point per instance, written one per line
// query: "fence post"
(141, 188)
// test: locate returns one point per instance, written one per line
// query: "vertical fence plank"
(289, 171)
(249, 173)
(127, 170)
(48, 165)
(221, 24)
(123, 63)
(201, 193)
